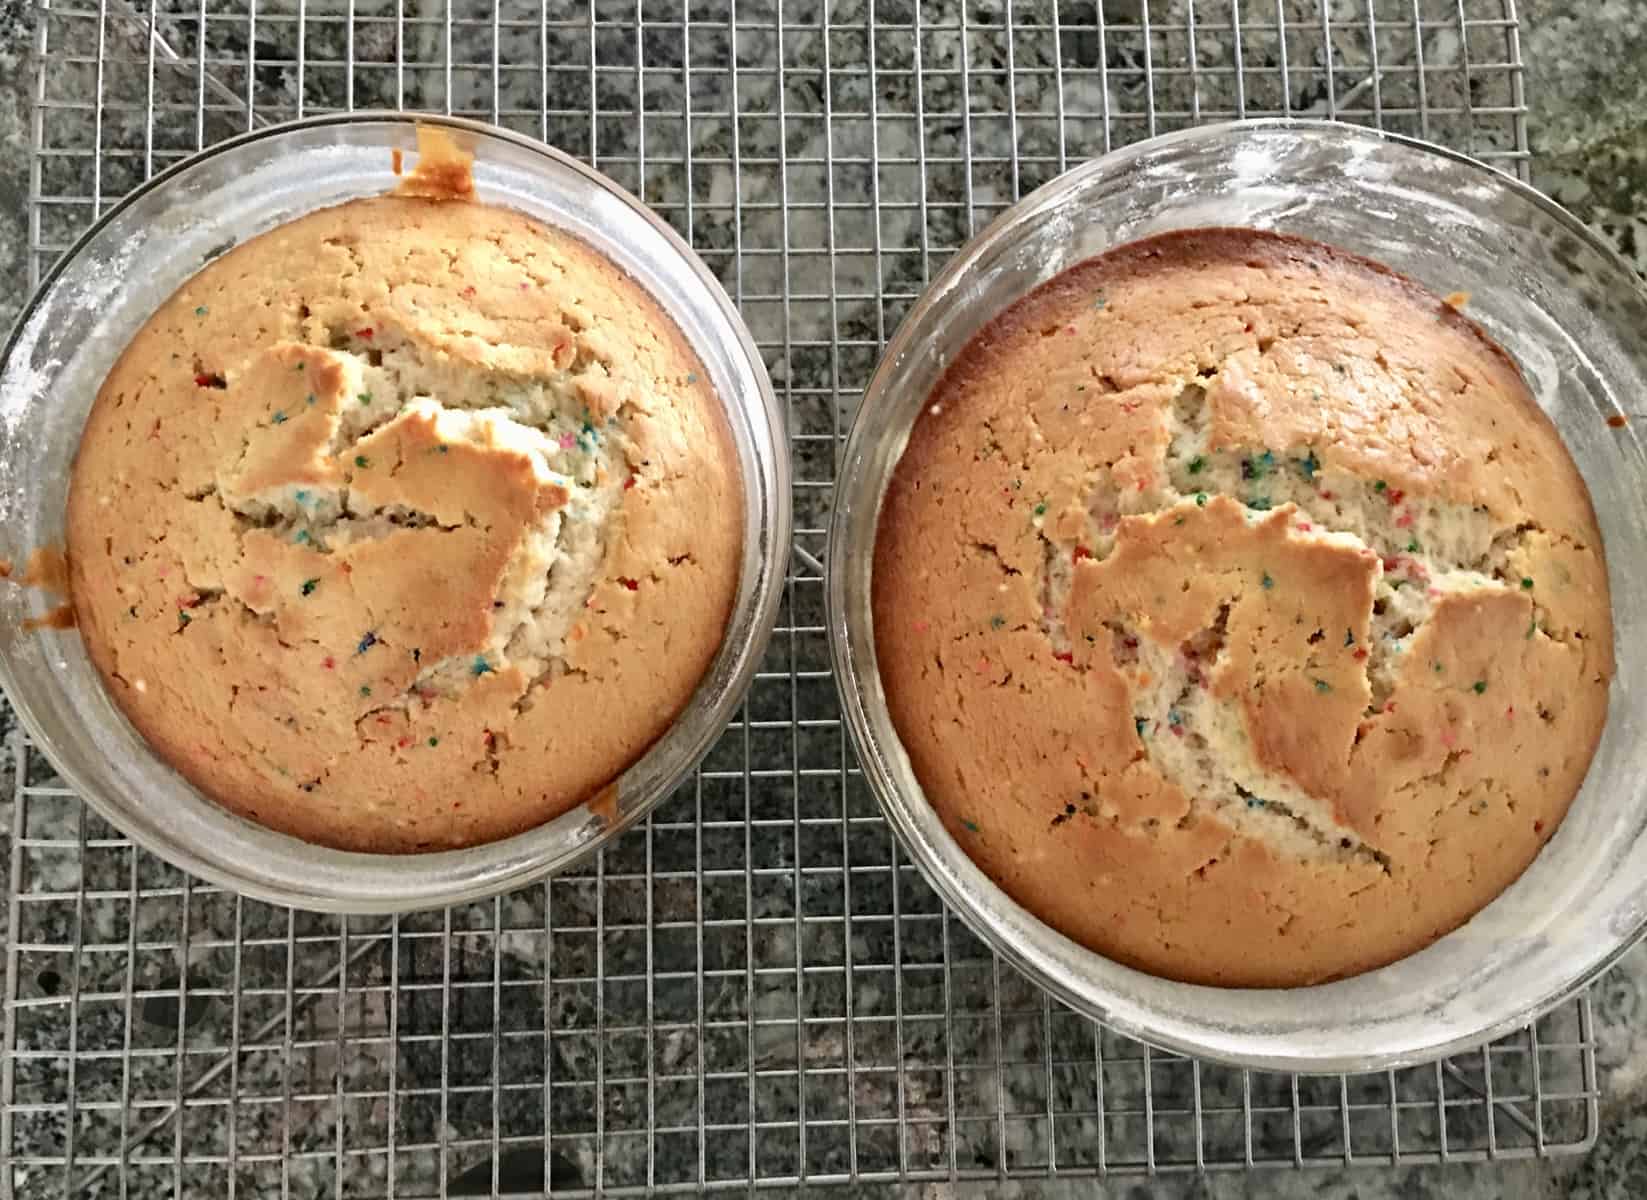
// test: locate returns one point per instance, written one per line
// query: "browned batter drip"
(444, 170)
(59, 617)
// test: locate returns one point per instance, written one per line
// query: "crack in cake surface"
(552, 572)
(1425, 550)
(1197, 741)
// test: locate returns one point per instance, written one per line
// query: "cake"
(407, 525)
(1241, 613)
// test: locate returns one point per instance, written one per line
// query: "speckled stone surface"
(1589, 140)
(1588, 119)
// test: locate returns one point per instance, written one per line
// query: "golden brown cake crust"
(407, 525)
(1241, 613)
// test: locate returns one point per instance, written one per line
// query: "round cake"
(405, 526)
(1241, 613)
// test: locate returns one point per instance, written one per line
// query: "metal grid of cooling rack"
(755, 988)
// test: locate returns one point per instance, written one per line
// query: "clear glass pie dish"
(106, 287)
(1566, 308)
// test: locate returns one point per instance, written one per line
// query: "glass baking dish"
(1569, 311)
(96, 299)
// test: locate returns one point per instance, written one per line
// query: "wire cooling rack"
(755, 988)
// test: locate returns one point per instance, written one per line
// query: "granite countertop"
(1588, 127)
